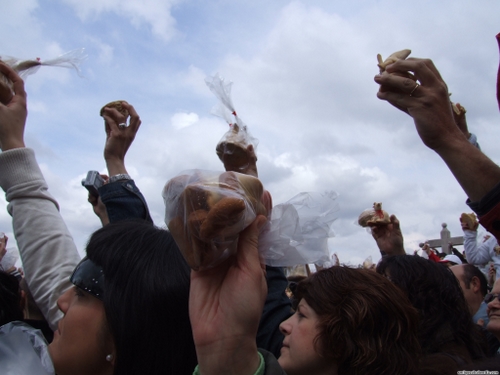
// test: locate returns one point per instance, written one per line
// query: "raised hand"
(225, 305)
(389, 238)
(119, 138)
(13, 115)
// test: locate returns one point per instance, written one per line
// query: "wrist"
(115, 167)
(119, 177)
(230, 357)
(11, 144)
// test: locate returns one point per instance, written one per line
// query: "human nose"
(285, 326)
(63, 301)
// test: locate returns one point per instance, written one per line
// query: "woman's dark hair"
(146, 295)
(366, 324)
(10, 299)
(435, 292)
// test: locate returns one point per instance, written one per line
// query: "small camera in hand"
(93, 182)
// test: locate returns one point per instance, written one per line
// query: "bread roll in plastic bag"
(205, 212)
(237, 147)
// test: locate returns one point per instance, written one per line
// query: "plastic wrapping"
(368, 263)
(298, 231)
(10, 258)
(374, 216)
(205, 212)
(23, 350)
(24, 68)
(237, 146)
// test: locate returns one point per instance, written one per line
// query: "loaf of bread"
(375, 216)
(470, 220)
(205, 215)
(117, 104)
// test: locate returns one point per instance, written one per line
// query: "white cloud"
(183, 120)
(155, 13)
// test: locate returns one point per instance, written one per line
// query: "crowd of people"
(132, 305)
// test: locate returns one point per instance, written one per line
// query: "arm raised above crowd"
(225, 304)
(429, 104)
(389, 237)
(47, 250)
(122, 198)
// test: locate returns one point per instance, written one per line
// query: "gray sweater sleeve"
(47, 250)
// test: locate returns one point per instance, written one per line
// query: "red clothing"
(434, 257)
(491, 221)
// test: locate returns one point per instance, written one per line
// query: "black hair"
(469, 272)
(435, 292)
(10, 299)
(146, 296)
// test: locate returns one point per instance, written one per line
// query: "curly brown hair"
(367, 325)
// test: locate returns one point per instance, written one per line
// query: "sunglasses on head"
(89, 277)
(490, 297)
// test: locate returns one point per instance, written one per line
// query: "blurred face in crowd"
(82, 340)
(469, 292)
(298, 353)
(494, 310)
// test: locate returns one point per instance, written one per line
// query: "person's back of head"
(434, 290)
(146, 298)
(367, 325)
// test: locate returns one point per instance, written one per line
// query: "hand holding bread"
(205, 212)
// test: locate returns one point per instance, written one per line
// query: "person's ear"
(475, 284)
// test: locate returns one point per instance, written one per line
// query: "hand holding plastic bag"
(69, 60)
(236, 149)
(205, 212)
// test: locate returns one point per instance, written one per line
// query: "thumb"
(248, 242)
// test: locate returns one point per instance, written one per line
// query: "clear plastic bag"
(237, 146)
(69, 60)
(205, 212)
(298, 231)
(10, 258)
(374, 216)
(23, 350)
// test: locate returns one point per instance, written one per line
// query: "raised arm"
(225, 306)
(478, 254)
(389, 237)
(122, 198)
(429, 104)
(47, 250)
(430, 107)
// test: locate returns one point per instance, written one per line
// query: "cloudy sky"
(303, 83)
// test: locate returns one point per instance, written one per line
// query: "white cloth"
(47, 250)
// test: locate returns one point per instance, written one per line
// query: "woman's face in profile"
(298, 353)
(82, 340)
